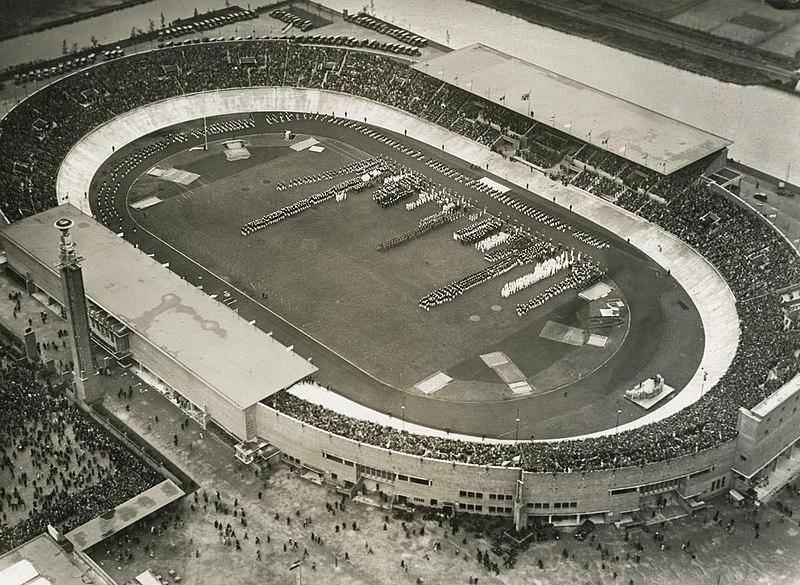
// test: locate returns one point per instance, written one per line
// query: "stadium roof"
(640, 135)
(41, 561)
(127, 513)
(238, 360)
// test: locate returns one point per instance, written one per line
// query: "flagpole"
(205, 133)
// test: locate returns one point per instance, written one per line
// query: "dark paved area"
(663, 337)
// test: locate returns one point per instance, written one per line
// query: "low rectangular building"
(194, 344)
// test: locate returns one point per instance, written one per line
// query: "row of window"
(471, 507)
(499, 510)
(555, 505)
(501, 497)
(413, 479)
(464, 494)
(376, 473)
(338, 459)
(718, 484)
(373, 472)
(479, 495)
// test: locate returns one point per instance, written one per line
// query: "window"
(375, 473)
(420, 480)
(466, 494)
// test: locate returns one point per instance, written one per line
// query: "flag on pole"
(622, 150)
(526, 96)
(456, 77)
(294, 565)
(287, 28)
(502, 98)
(589, 133)
(568, 125)
(553, 117)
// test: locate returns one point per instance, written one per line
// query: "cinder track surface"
(665, 335)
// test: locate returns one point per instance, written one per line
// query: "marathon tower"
(77, 317)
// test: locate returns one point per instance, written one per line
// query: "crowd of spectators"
(57, 466)
(750, 255)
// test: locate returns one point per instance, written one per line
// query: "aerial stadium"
(468, 283)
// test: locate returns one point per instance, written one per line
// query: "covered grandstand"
(194, 344)
(641, 136)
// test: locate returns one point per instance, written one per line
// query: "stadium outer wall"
(600, 495)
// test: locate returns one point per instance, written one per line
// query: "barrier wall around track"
(706, 287)
(609, 493)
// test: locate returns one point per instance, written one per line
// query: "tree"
(75, 47)
(133, 31)
(196, 13)
(64, 49)
(94, 41)
(152, 27)
(163, 21)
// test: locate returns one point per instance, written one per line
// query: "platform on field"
(433, 383)
(648, 402)
(146, 202)
(174, 175)
(596, 291)
(508, 372)
(563, 333)
(304, 144)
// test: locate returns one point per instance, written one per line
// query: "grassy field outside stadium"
(321, 271)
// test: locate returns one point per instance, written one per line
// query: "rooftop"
(640, 135)
(778, 397)
(41, 561)
(127, 513)
(238, 360)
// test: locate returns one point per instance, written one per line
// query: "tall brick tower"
(86, 386)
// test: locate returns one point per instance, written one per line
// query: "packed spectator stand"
(752, 257)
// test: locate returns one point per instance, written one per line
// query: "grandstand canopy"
(640, 135)
(127, 513)
(238, 360)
